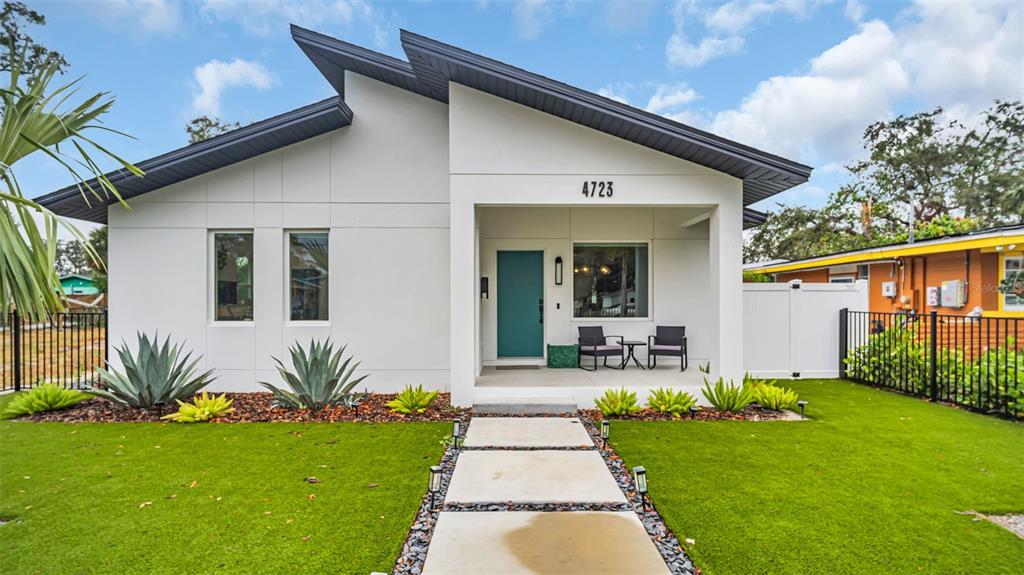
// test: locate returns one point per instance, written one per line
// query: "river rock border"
(668, 545)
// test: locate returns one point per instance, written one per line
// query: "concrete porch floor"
(583, 386)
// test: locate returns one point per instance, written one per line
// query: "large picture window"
(307, 263)
(233, 275)
(610, 280)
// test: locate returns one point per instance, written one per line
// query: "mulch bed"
(751, 413)
(254, 407)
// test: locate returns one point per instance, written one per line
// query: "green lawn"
(872, 485)
(231, 498)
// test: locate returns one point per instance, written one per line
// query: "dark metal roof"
(217, 152)
(432, 65)
(753, 218)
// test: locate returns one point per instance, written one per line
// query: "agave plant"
(412, 400)
(42, 398)
(617, 402)
(202, 408)
(320, 380)
(728, 396)
(670, 401)
(155, 375)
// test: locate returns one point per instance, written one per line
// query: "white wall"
(678, 276)
(789, 331)
(380, 186)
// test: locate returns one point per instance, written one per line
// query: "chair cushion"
(659, 347)
(601, 348)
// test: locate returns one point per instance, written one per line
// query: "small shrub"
(772, 397)
(670, 401)
(43, 398)
(153, 376)
(617, 402)
(320, 379)
(728, 396)
(412, 400)
(705, 368)
(202, 408)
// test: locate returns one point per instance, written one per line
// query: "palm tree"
(36, 119)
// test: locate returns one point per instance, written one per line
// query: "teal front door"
(520, 304)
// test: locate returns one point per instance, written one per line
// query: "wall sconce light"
(435, 483)
(558, 271)
(484, 291)
(606, 427)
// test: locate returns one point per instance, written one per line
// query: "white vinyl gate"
(792, 330)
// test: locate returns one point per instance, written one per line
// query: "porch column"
(464, 298)
(727, 287)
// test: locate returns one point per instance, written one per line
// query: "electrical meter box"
(888, 289)
(953, 293)
(933, 296)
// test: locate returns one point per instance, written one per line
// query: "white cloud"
(142, 17)
(628, 14)
(271, 17)
(820, 115)
(216, 76)
(670, 98)
(615, 92)
(854, 10)
(680, 52)
(724, 27)
(966, 54)
(531, 15)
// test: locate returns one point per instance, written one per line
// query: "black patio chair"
(669, 340)
(594, 343)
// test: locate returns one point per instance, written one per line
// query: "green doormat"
(561, 356)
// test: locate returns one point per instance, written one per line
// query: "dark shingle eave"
(197, 159)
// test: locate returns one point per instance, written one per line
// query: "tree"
(98, 266)
(71, 257)
(41, 119)
(936, 175)
(14, 17)
(205, 127)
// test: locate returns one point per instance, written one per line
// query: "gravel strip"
(544, 507)
(414, 551)
(668, 545)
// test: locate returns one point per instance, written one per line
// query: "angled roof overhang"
(217, 152)
(432, 65)
(753, 218)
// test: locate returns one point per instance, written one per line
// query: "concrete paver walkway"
(527, 432)
(533, 477)
(535, 542)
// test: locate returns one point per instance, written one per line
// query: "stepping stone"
(532, 477)
(527, 432)
(521, 542)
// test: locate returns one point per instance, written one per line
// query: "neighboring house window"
(610, 280)
(1013, 271)
(307, 286)
(233, 276)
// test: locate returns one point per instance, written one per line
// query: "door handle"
(540, 308)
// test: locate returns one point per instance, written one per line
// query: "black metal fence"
(974, 362)
(65, 349)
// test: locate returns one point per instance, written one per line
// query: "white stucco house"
(442, 216)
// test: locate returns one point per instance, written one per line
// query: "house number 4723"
(593, 189)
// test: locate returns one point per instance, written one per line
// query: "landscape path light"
(640, 478)
(435, 483)
(802, 403)
(606, 427)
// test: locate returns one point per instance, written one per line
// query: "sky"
(798, 78)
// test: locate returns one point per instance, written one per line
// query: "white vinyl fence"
(792, 330)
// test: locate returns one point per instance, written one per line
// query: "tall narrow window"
(233, 275)
(610, 280)
(307, 263)
(1013, 280)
